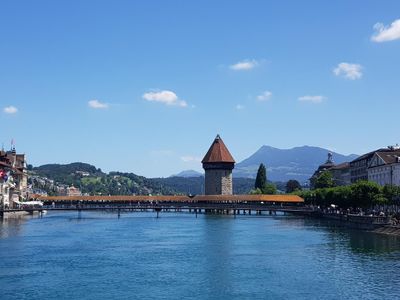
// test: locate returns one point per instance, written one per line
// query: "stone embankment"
(365, 222)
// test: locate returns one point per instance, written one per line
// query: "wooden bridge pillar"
(158, 209)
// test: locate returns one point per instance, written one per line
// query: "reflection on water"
(358, 241)
(98, 256)
(11, 226)
(365, 242)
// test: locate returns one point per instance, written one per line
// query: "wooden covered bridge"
(217, 204)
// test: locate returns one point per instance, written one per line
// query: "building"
(384, 167)
(322, 168)
(13, 177)
(359, 166)
(340, 173)
(73, 191)
(218, 164)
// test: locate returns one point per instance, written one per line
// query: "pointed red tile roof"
(218, 153)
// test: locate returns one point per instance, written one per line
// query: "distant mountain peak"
(188, 173)
(283, 164)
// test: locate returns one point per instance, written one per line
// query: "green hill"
(93, 181)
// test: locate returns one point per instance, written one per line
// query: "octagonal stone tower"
(218, 164)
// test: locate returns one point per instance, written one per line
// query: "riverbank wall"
(376, 224)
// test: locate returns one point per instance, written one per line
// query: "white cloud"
(245, 65)
(386, 33)
(165, 97)
(312, 99)
(190, 158)
(239, 107)
(96, 104)
(10, 110)
(264, 96)
(348, 71)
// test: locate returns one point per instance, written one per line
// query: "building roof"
(325, 166)
(4, 164)
(389, 157)
(218, 153)
(197, 198)
(341, 166)
(368, 155)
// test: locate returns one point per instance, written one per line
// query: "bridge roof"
(197, 198)
(218, 153)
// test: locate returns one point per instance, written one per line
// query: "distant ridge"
(93, 181)
(188, 174)
(284, 164)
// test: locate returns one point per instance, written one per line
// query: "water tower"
(218, 164)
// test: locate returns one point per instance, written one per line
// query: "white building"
(384, 168)
(13, 178)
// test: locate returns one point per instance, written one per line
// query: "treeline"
(95, 182)
(361, 194)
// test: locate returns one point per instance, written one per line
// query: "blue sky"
(145, 86)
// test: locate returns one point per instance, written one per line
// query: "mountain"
(59, 172)
(195, 185)
(188, 174)
(284, 164)
(93, 181)
(90, 180)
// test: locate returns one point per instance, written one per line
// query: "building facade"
(73, 191)
(13, 178)
(322, 168)
(359, 167)
(384, 168)
(368, 165)
(218, 164)
(340, 173)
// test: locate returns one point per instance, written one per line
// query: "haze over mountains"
(282, 164)
(188, 174)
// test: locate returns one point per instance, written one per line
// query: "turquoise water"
(178, 256)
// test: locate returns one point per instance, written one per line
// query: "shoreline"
(374, 224)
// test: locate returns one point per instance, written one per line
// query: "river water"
(178, 256)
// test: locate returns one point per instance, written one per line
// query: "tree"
(391, 193)
(256, 192)
(292, 185)
(324, 180)
(261, 178)
(365, 193)
(269, 188)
